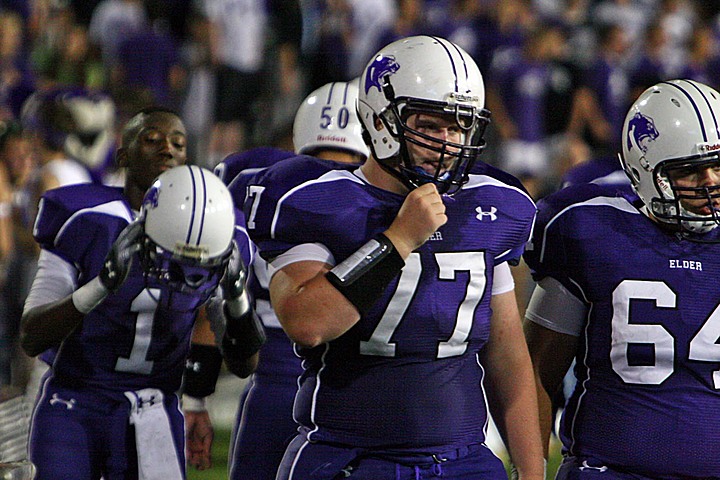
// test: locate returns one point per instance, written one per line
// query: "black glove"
(249, 336)
(244, 333)
(119, 259)
(235, 295)
(233, 282)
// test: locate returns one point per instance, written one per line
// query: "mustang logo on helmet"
(641, 129)
(383, 65)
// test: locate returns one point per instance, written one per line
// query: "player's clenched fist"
(421, 214)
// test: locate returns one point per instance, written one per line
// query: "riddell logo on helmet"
(709, 148)
(331, 138)
(191, 251)
(465, 98)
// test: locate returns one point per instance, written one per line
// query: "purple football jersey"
(264, 423)
(249, 161)
(647, 365)
(137, 337)
(411, 362)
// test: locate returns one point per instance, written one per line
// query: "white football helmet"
(189, 221)
(327, 118)
(673, 127)
(423, 74)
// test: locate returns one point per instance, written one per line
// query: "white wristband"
(89, 295)
(193, 404)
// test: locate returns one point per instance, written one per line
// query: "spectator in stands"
(16, 79)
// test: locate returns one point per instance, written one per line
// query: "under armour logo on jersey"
(69, 404)
(585, 466)
(490, 213)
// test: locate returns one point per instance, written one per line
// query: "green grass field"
(220, 456)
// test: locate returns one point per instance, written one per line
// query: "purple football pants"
(79, 435)
(264, 427)
(316, 461)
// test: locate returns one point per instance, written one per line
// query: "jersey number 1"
(144, 304)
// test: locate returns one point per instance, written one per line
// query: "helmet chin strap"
(683, 228)
(408, 183)
(393, 163)
(691, 235)
(700, 225)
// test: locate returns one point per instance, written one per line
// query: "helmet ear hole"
(378, 123)
(388, 121)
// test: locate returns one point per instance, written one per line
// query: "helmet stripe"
(344, 85)
(194, 206)
(707, 103)
(330, 93)
(204, 206)
(464, 64)
(452, 60)
(695, 107)
(345, 93)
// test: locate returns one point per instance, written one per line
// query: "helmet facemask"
(179, 273)
(455, 159)
(669, 207)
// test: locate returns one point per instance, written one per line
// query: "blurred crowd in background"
(560, 76)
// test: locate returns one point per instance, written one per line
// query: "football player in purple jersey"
(249, 161)
(122, 275)
(393, 281)
(325, 126)
(626, 288)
